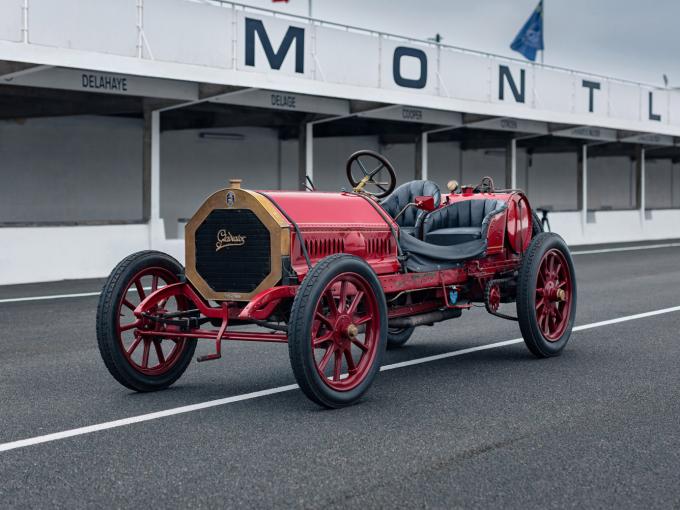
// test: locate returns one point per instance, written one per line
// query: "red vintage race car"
(339, 277)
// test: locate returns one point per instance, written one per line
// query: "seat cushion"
(422, 256)
(460, 221)
(409, 230)
(406, 194)
(447, 236)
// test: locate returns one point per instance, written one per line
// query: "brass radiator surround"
(266, 212)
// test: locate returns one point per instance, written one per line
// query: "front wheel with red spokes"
(136, 360)
(546, 295)
(337, 330)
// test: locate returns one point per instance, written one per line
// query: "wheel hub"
(344, 332)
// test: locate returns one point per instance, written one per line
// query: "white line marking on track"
(626, 248)
(584, 252)
(281, 389)
(57, 296)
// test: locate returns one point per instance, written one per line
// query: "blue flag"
(530, 38)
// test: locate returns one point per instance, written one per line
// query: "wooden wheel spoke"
(332, 305)
(140, 289)
(130, 326)
(351, 367)
(326, 357)
(363, 320)
(129, 304)
(355, 303)
(134, 345)
(322, 339)
(361, 346)
(343, 296)
(337, 365)
(325, 320)
(154, 283)
(558, 269)
(159, 350)
(145, 354)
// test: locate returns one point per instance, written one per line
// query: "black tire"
(534, 337)
(397, 337)
(301, 323)
(107, 316)
(536, 224)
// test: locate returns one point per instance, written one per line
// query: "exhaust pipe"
(425, 319)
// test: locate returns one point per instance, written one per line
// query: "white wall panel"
(10, 20)
(180, 31)
(551, 87)
(94, 25)
(465, 76)
(70, 252)
(624, 101)
(346, 57)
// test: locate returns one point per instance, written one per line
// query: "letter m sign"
(275, 58)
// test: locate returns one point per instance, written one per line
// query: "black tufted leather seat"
(411, 220)
(460, 222)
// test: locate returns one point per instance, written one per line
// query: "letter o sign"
(403, 51)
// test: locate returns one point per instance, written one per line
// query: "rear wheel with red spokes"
(546, 295)
(136, 360)
(337, 330)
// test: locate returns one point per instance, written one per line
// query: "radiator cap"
(235, 183)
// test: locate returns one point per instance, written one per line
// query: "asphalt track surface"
(598, 426)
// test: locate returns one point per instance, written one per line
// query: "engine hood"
(322, 210)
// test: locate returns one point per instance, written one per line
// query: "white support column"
(309, 151)
(423, 156)
(642, 188)
(513, 163)
(584, 188)
(155, 165)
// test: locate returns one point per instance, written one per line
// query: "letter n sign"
(275, 58)
(504, 75)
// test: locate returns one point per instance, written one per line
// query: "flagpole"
(542, 28)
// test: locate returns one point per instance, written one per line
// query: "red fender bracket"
(263, 305)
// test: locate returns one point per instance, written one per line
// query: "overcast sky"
(634, 39)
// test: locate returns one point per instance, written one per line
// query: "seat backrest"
(466, 213)
(406, 194)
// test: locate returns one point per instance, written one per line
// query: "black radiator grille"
(243, 259)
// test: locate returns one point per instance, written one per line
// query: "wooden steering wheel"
(367, 171)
